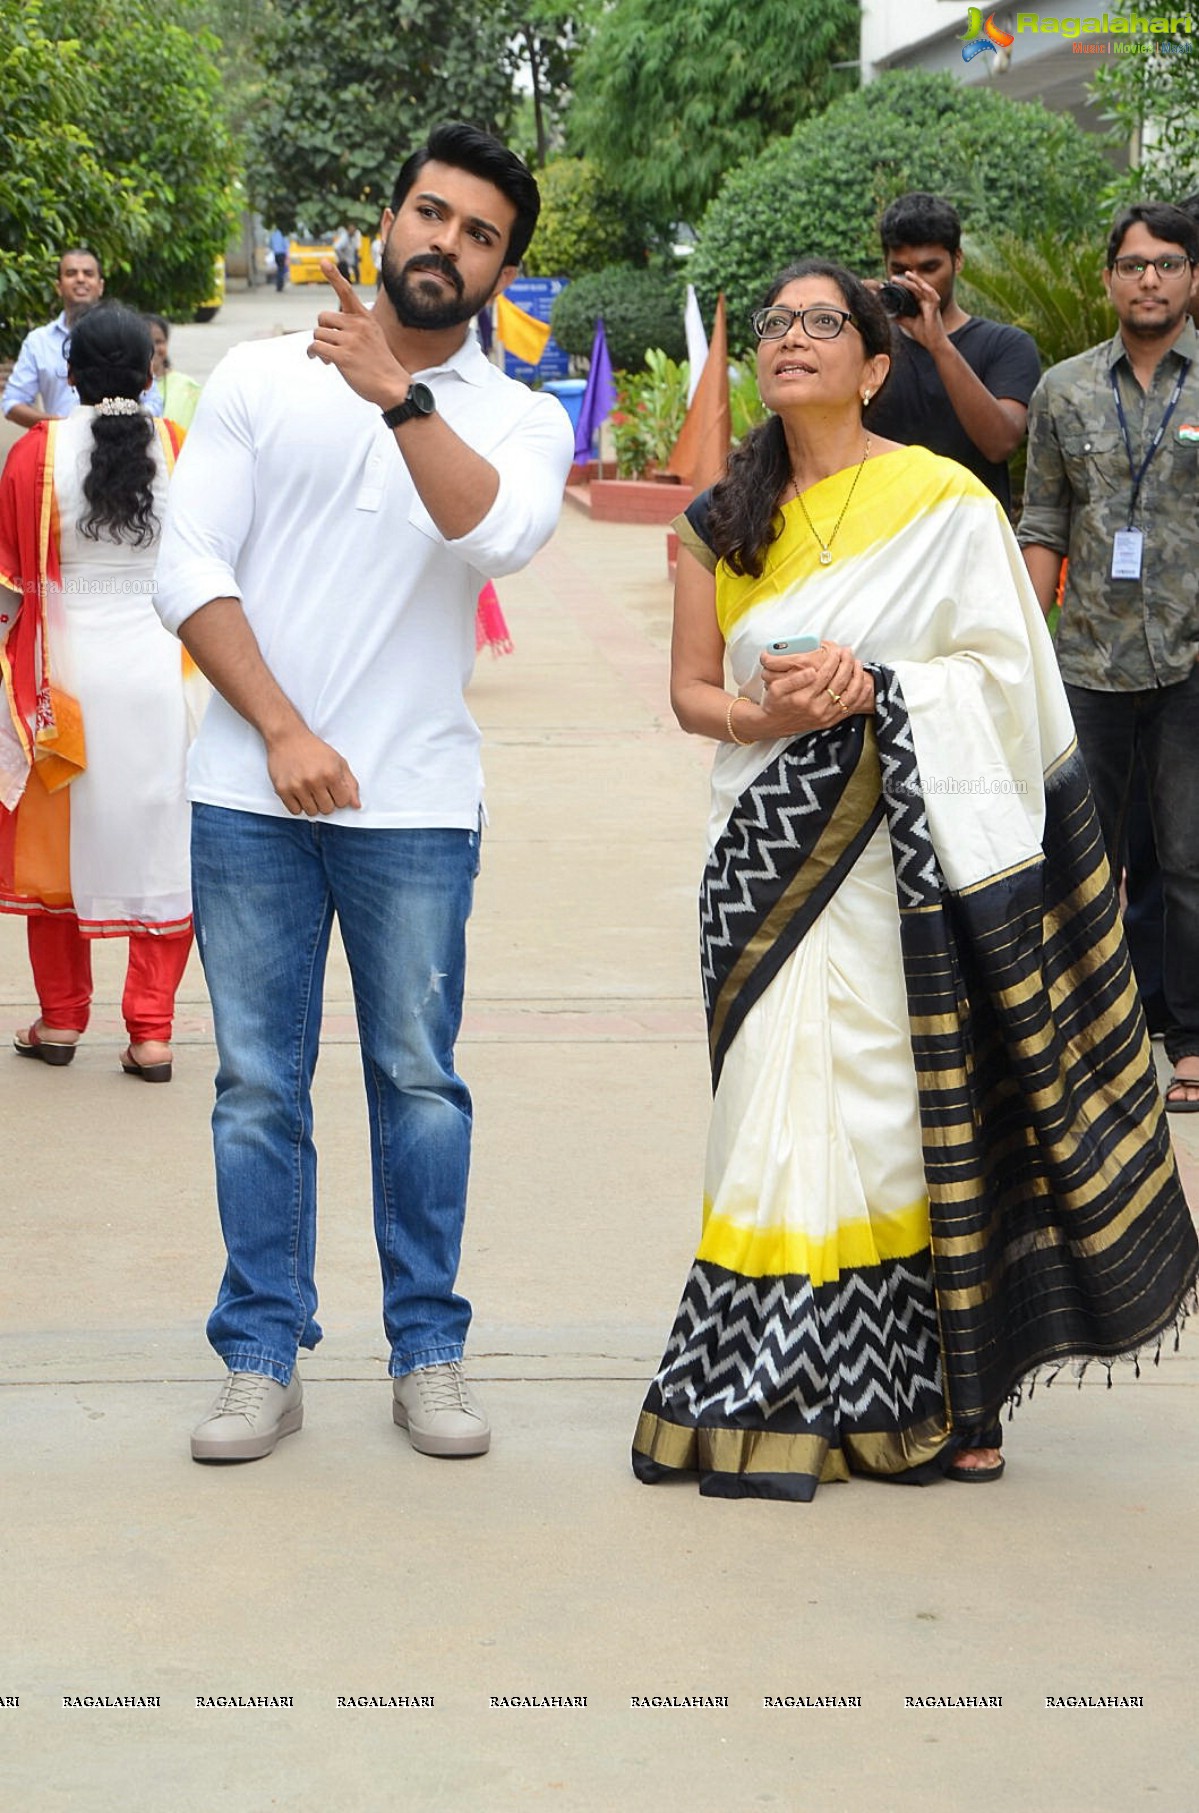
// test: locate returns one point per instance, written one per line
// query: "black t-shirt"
(914, 406)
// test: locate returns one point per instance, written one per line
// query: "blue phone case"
(795, 645)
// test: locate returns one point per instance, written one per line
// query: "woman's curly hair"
(743, 514)
(109, 355)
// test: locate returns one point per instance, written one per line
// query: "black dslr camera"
(898, 301)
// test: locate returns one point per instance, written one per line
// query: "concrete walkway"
(348, 1566)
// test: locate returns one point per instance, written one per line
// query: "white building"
(1040, 65)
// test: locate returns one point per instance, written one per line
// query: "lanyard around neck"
(1137, 473)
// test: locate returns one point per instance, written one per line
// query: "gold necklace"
(826, 547)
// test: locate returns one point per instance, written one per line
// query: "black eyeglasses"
(1133, 269)
(818, 323)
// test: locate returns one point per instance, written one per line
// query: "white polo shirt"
(293, 496)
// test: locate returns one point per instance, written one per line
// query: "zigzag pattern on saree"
(754, 1346)
(771, 832)
(917, 873)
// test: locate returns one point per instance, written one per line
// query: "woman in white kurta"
(936, 1158)
(94, 832)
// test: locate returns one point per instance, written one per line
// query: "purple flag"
(599, 398)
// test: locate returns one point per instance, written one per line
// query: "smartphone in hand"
(794, 645)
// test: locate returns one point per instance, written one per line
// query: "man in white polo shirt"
(337, 771)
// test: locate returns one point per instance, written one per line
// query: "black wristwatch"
(419, 401)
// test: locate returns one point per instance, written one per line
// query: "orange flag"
(703, 446)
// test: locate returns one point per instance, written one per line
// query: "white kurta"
(129, 811)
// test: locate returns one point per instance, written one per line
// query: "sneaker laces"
(444, 1388)
(241, 1394)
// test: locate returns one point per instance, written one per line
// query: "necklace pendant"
(826, 557)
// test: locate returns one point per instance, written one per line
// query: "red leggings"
(62, 974)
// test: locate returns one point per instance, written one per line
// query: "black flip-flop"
(1184, 1106)
(28, 1045)
(149, 1073)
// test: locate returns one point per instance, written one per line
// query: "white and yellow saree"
(937, 1158)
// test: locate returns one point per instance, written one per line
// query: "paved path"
(348, 1566)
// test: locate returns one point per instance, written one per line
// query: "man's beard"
(1156, 327)
(427, 306)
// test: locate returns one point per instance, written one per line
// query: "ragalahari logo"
(984, 37)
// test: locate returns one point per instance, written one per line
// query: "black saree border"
(792, 838)
(763, 1463)
(1059, 1226)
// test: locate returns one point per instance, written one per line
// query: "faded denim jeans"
(266, 891)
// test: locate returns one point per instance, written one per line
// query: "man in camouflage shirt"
(1113, 483)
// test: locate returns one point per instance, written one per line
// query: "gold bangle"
(728, 720)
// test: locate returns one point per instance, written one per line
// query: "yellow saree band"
(777, 1252)
(887, 502)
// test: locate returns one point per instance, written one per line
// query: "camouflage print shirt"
(1118, 635)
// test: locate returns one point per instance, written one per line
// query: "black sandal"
(28, 1045)
(981, 1476)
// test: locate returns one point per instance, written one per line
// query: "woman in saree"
(936, 1161)
(97, 712)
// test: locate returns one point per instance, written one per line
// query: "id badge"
(1126, 554)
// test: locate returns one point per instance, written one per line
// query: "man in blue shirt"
(280, 249)
(41, 364)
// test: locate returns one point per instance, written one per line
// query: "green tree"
(547, 41)
(585, 224)
(54, 189)
(111, 135)
(1006, 164)
(234, 26)
(671, 94)
(157, 117)
(351, 86)
(1049, 285)
(1152, 104)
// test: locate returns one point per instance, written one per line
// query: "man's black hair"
(1173, 225)
(466, 148)
(1190, 205)
(80, 252)
(920, 219)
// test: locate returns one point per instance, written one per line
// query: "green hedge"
(1004, 164)
(585, 224)
(641, 309)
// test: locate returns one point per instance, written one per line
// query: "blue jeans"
(266, 890)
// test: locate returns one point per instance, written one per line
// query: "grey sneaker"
(434, 1404)
(249, 1416)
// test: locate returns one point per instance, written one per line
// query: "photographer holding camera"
(959, 385)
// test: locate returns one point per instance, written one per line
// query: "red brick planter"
(589, 471)
(638, 500)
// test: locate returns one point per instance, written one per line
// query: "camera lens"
(898, 301)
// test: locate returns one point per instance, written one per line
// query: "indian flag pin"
(1189, 431)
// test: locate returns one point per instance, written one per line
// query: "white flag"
(697, 341)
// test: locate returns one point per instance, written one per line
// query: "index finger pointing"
(347, 301)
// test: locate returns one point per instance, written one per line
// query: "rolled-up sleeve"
(533, 462)
(1045, 521)
(210, 504)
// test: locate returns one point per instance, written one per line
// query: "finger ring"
(834, 696)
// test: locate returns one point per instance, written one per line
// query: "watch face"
(419, 401)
